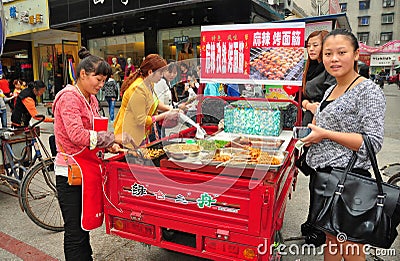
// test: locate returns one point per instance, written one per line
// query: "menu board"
(266, 53)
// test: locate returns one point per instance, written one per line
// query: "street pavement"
(20, 239)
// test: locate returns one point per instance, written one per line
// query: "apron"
(91, 164)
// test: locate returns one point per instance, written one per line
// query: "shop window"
(121, 47)
(172, 41)
(363, 20)
(363, 37)
(388, 3)
(363, 5)
(387, 36)
(387, 18)
(343, 7)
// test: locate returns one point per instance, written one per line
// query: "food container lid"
(190, 141)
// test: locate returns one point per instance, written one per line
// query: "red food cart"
(232, 212)
(220, 211)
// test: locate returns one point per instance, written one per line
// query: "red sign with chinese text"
(255, 53)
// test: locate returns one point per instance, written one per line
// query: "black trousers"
(76, 240)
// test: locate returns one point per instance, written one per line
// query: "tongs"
(136, 150)
(200, 132)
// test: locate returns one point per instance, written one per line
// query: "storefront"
(125, 48)
(16, 61)
(32, 50)
(133, 29)
(386, 57)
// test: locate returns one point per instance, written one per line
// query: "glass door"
(69, 60)
(47, 61)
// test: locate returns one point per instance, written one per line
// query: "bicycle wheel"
(38, 196)
(395, 179)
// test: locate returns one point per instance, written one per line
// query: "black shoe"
(316, 238)
(306, 228)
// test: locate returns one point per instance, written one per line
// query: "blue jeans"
(111, 107)
(3, 118)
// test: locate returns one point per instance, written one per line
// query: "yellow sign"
(26, 16)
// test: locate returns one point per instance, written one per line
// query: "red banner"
(269, 53)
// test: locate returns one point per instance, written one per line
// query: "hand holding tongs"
(128, 145)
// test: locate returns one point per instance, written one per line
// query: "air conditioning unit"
(286, 4)
(377, 42)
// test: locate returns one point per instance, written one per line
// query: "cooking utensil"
(200, 132)
(136, 150)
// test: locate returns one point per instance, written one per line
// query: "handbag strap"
(372, 158)
(340, 186)
(374, 163)
(348, 168)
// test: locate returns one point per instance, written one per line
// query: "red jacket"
(4, 86)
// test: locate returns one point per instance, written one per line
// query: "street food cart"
(222, 197)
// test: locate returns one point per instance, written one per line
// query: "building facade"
(374, 22)
(49, 33)
(377, 26)
(32, 50)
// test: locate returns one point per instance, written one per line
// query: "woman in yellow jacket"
(139, 104)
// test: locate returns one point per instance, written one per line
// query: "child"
(3, 108)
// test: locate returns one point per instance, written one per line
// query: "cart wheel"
(168, 234)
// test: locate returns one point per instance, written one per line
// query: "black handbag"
(366, 210)
(302, 165)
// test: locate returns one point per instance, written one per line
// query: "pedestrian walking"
(110, 91)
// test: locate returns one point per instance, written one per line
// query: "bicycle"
(34, 178)
(393, 171)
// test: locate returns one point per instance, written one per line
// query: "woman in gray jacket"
(316, 80)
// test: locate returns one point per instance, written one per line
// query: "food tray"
(134, 158)
(281, 155)
(264, 144)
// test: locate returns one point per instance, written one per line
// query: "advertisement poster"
(267, 53)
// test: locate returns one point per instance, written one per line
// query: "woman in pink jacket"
(81, 138)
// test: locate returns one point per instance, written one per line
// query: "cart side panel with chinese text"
(194, 204)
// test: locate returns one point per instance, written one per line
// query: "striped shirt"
(359, 110)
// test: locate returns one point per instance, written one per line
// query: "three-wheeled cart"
(220, 212)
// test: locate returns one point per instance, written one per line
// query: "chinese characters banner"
(269, 53)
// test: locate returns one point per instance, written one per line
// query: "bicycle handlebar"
(41, 119)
